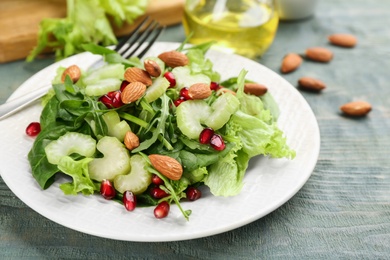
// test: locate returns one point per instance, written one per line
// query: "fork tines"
(140, 40)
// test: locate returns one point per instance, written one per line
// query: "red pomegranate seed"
(158, 193)
(129, 200)
(161, 210)
(217, 142)
(116, 100)
(124, 84)
(193, 193)
(33, 129)
(112, 99)
(171, 78)
(214, 86)
(178, 101)
(157, 180)
(107, 190)
(205, 135)
(184, 94)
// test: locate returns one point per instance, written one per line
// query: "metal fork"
(137, 43)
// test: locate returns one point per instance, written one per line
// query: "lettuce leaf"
(86, 22)
(78, 170)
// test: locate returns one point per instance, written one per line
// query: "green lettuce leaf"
(78, 170)
(86, 22)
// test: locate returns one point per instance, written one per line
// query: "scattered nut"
(133, 92)
(356, 108)
(138, 75)
(311, 84)
(290, 62)
(167, 166)
(174, 58)
(343, 40)
(222, 90)
(152, 68)
(73, 72)
(131, 140)
(255, 89)
(319, 54)
(199, 91)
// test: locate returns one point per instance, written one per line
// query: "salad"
(150, 132)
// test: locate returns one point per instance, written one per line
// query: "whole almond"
(167, 166)
(131, 140)
(356, 108)
(138, 75)
(255, 89)
(132, 92)
(319, 54)
(343, 40)
(311, 84)
(199, 91)
(290, 62)
(174, 58)
(73, 72)
(152, 68)
(222, 90)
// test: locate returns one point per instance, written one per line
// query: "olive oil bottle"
(244, 27)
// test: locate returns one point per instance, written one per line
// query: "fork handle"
(18, 103)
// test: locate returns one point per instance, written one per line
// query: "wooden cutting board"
(19, 22)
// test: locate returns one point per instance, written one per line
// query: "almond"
(356, 108)
(174, 58)
(199, 91)
(343, 40)
(152, 68)
(319, 54)
(73, 72)
(290, 62)
(255, 89)
(222, 90)
(311, 84)
(167, 166)
(132, 92)
(138, 75)
(131, 140)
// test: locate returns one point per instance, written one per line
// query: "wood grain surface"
(342, 212)
(19, 22)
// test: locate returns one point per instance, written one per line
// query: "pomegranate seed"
(124, 84)
(214, 86)
(217, 142)
(171, 78)
(184, 94)
(193, 193)
(205, 135)
(157, 180)
(161, 210)
(112, 99)
(33, 129)
(178, 101)
(158, 193)
(107, 190)
(129, 200)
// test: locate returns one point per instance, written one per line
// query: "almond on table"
(356, 108)
(309, 83)
(343, 40)
(319, 54)
(290, 62)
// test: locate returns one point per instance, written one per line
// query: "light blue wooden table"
(343, 211)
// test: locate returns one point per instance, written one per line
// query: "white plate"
(269, 183)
